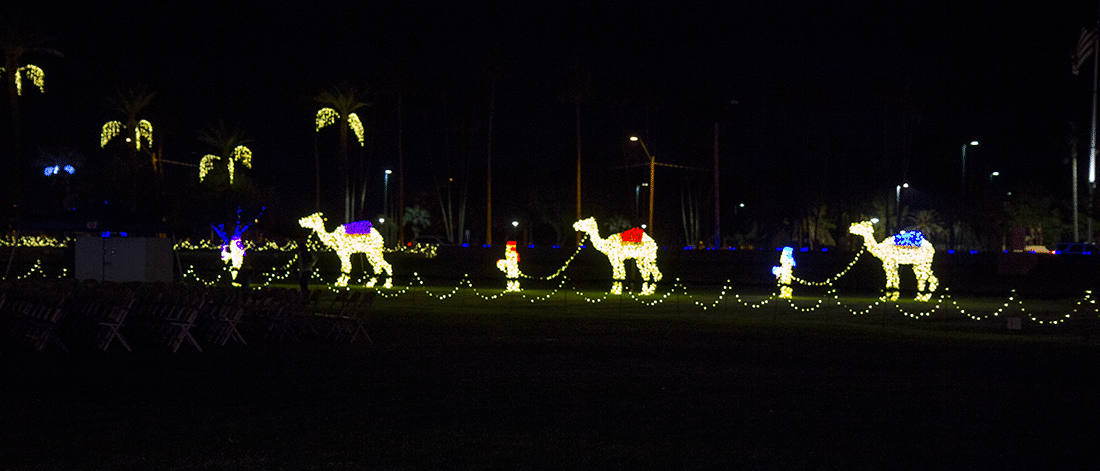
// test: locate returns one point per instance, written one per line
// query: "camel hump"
(358, 227)
(632, 236)
(909, 239)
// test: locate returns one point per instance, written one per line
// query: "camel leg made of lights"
(618, 275)
(893, 281)
(380, 266)
(650, 274)
(926, 281)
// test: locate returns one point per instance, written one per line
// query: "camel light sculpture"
(510, 266)
(906, 248)
(633, 243)
(350, 238)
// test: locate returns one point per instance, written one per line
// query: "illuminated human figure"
(906, 248)
(633, 243)
(510, 266)
(350, 238)
(784, 273)
(232, 249)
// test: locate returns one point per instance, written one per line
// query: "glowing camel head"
(315, 221)
(585, 225)
(865, 229)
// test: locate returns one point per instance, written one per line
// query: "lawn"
(572, 383)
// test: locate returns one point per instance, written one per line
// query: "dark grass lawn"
(465, 383)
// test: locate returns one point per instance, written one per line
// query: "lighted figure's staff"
(784, 273)
(510, 266)
(905, 248)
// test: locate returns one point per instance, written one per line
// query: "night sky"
(834, 103)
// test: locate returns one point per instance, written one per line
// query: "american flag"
(1086, 46)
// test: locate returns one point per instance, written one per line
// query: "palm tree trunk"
(577, 121)
(489, 168)
(316, 174)
(345, 167)
(400, 176)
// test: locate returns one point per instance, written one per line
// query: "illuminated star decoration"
(354, 237)
(907, 248)
(784, 273)
(327, 116)
(510, 266)
(240, 154)
(32, 72)
(142, 130)
(631, 244)
(232, 249)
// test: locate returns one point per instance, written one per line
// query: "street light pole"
(897, 202)
(971, 143)
(652, 162)
(386, 192)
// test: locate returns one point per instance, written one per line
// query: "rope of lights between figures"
(1083, 306)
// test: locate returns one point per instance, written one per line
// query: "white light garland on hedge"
(36, 241)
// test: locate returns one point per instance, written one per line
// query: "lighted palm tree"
(341, 105)
(130, 104)
(231, 149)
(15, 44)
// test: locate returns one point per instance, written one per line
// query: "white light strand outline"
(834, 278)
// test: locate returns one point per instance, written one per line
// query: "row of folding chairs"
(172, 316)
(32, 318)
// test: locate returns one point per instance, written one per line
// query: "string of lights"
(563, 267)
(829, 281)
